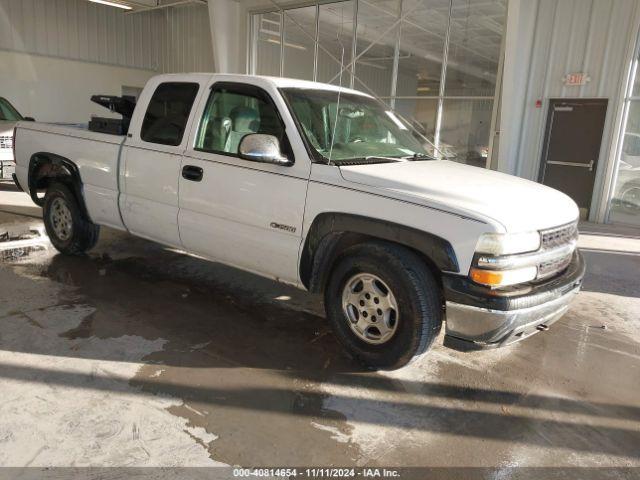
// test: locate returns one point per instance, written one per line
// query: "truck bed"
(96, 156)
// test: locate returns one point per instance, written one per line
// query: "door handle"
(191, 172)
(572, 164)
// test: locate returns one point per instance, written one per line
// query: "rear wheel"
(384, 304)
(67, 228)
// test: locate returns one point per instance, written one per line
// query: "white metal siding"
(170, 40)
(187, 43)
(574, 36)
(546, 40)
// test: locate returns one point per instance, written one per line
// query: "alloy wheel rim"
(370, 308)
(61, 220)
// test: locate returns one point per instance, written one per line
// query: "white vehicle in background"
(322, 188)
(9, 116)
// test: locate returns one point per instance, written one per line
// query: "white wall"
(55, 54)
(58, 90)
(547, 39)
(176, 39)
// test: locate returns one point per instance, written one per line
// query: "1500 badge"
(280, 226)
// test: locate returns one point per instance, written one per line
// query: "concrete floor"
(136, 355)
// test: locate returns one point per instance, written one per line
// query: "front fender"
(328, 229)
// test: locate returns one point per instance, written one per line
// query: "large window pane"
(625, 205)
(474, 47)
(422, 38)
(299, 42)
(421, 114)
(415, 30)
(465, 131)
(376, 39)
(266, 35)
(336, 38)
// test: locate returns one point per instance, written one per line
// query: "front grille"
(6, 142)
(557, 238)
(551, 267)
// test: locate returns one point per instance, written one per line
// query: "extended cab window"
(235, 111)
(168, 112)
(7, 112)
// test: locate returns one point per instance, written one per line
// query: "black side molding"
(329, 229)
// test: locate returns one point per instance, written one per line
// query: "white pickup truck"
(323, 188)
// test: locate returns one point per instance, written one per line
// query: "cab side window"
(168, 112)
(231, 113)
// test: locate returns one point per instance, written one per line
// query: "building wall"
(184, 38)
(547, 39)
(54, 54)
(58, 90)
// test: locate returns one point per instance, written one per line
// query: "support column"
(520, 33)
(228, 34)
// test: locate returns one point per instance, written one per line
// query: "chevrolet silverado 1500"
(323, 188)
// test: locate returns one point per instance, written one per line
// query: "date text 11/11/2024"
(317, 472)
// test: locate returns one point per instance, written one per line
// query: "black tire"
(83, 234)
(417, 294)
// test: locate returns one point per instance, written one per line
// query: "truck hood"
(518, 205)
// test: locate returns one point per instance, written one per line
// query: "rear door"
(240, 212)
(151, 160)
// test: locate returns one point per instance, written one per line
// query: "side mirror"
(259, 147)
(29, 119)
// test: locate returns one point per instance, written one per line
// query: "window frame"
(248, 90)
(186, 125)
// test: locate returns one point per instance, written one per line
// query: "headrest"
(245, 119)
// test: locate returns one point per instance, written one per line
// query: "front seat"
(244, 120)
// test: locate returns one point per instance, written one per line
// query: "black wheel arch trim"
(328, 230)
(38, 160)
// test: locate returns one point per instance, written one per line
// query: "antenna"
(335, 122)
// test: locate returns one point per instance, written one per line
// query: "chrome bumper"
(479, 318)
(471, 327)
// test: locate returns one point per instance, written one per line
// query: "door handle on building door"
(572, 164)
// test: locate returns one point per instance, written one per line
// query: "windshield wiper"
(368, 160)
(419, 156)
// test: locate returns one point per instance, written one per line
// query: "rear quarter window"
(168, 112)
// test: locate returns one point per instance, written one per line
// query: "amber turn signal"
(502, 278)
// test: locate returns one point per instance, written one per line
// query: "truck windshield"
(7, 112)
(364, 129)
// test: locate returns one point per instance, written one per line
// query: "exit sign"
(576, 79)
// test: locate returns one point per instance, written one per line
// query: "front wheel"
(66, 227)
(383, 304)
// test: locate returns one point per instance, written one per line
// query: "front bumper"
(478, 317)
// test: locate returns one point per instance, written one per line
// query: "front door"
(572, 147)
(243, 213)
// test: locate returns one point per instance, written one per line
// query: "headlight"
(499, 262)
(508, 243)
